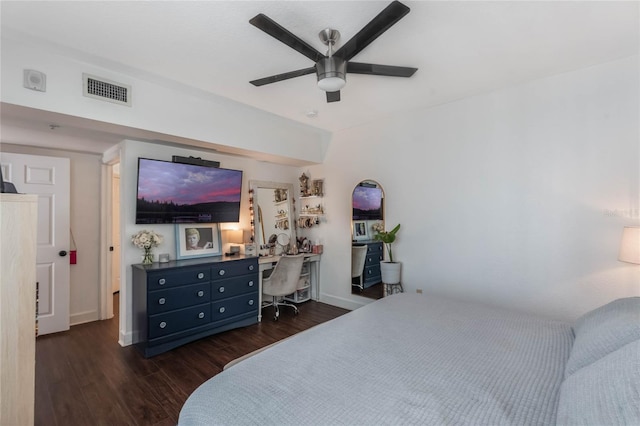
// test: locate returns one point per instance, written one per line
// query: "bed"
(422, 359)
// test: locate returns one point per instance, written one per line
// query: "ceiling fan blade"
(284, 76)
(375, 69)
(378, 25)
(280, 33)
(333, 96)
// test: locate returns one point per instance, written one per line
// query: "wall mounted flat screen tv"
(367, 203)
(183, 193)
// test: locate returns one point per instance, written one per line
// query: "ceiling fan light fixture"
(331, 84)
(332, 73)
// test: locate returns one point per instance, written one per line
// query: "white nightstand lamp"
(630, 245)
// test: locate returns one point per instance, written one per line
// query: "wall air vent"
(106, 90)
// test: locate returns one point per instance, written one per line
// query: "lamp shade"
(630, 245)
(234, 236)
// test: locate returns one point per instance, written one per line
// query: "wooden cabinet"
(19, 224)
(181, 301)
(375, 254)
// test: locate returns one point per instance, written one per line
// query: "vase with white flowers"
(147, 240)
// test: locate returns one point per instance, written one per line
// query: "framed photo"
(198, 240)
(360, 231)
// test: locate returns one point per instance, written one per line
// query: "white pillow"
(602, 331)
(606, 392)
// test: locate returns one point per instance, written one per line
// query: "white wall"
(516, 197)
(157, 105)
(130, 151)
(85, 224)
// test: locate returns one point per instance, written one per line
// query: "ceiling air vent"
(106, 90)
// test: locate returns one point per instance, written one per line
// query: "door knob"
(62, 253)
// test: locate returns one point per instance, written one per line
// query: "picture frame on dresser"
(360, 231)
(195, 240)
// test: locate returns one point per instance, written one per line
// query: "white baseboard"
(342, 302)
(126, 339)
(83, 317)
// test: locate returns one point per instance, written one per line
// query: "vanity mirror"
(367, 217)
(273, 215)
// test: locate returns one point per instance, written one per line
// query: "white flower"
(146, 239)
(378, 227)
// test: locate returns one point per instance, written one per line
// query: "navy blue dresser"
(181, 301)
(375, 254)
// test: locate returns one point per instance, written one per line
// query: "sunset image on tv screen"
(367, 203)
(184, 193)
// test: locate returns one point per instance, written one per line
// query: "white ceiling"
(461, 48)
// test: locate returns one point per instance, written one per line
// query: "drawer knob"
(221, 272)
(200, 275)
(222, 310)
(162, 281)
(251, 267)
(162, 301)
(200, 293)
(201, 315)
(369, 272)
(369, 259)
(163, 324)
(251, 283)
(251, 302)
(221, 289)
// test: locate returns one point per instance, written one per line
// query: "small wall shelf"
(311, 202)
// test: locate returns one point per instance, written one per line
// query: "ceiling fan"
(333, 67)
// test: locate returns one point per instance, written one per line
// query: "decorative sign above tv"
(184, 193)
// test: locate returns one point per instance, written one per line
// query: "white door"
(115, 233)
(49, 178)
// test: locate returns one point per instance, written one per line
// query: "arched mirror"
(367, 218)
(273, 217)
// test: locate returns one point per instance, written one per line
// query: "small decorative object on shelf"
(147, 240)
(304, 186)
(280, 195)
(312, 210)
(317, 188)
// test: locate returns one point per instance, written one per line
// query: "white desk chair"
(358, 258)
(283, 281)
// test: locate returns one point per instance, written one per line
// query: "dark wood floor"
(373, 292)
(83, 377)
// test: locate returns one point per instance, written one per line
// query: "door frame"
(109, 158)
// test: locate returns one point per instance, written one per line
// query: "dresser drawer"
(373, 259)
(163, 279)
(374, 248)
(372, 273)
(230, 287)
(178, 297)
(179, 320)
(234, 306)
(234, 268)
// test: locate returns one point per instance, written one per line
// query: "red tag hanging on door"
(73, 253)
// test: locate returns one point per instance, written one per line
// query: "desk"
(266, 263)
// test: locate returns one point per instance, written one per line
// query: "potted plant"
(390, 269)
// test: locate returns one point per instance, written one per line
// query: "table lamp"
(234, 236)
(630, 245)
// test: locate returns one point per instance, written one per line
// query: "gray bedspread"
(405, 359)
